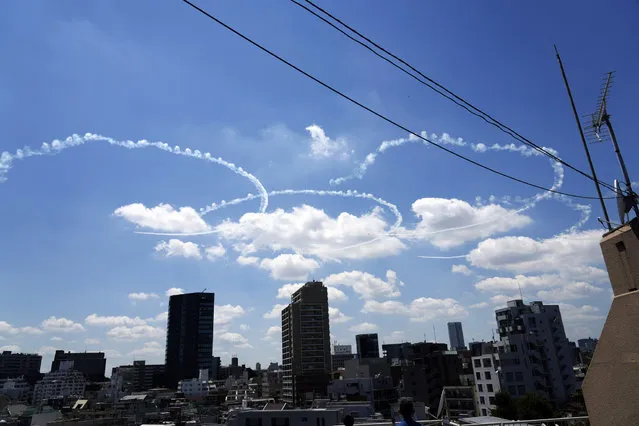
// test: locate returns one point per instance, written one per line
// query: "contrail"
(463, 256)
(56, 146)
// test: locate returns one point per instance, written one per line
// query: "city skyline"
(71, 238)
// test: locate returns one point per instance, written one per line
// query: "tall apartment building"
(456, 335)
(14, 365)
(367, 345)
(587, 345)
(306, 350)
(487, 376)
(534, 353)
(189, 336)
(91, 364)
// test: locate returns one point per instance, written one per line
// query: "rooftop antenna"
(521, 293)
(204, 290)
(434, 333)
(583, 140)
(627, 201)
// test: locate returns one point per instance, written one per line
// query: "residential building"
(306, 350)
(587, 346)
(18, 390)
(139, 377)
(359, 389)
(189, 336)
(487, 375)
(91, 364)
(65, 382)
(534, 353)
(457, 402)
(14, 365)
(456, 335)
(367, 345)
(197, 388)
(339, 360)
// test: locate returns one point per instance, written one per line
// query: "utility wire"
(435, 86)
(377, 114)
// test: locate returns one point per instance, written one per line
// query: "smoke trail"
(56, 146)
(463, 256)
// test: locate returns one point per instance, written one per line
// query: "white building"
(342, 349)
(485, 369)
(65, 382)
(197, 388)
(18, 390)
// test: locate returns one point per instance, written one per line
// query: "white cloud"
(311, 232)
(323, 147)
(136, 332)
(142, 296)
(178, 248)
(365, 327)
(215, 252)
(163, 218)
(273, 332)
(336, 316)
(287, 290)
(448, 223)
(522, 254)
(30, 330)
(112, 321)
(461, 269)
(5, 327)
(552, 287)
(236, 339)
(161, 317)
(57, 339)
(336, 295)
(572, 313)
(367, 286)
(419, 310)
(289, 266)
(12, 348)
(247, 260)
(61, 325)
(174, 291)
(479, 305)
(245, 327)
(91, 341)
(573, 290)
(276, 312)
(149, 349)
(224, 314)
(395, 336)
(500, 300)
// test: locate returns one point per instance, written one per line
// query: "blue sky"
(75, 273)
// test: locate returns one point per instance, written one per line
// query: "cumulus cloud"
(161, 317)
(273, 332)
(461, 269)
(572, 313)
(142, 296)
(112, 321)
(245, 327)
(7, 328)
(56, 339)
(287, 290)
(447, 223)
(163, 218)
(91, 341)
(311, 232)
(365, 327)
(573, 290)
(323, 147)
(247, 260)
(136, 332)
(12, 348)
(552, 287)
(174, 291)
(479, 305)
(289, 266)
(215, 252)
(224, 314)
(276, 312)
(178, 248)
(335, 316)
(336, 295)
(419, 310)
(62, 325)
(523, 254)
(236, 339)
(367, 286)
(148, 349)
(500, 300)
(395, 336)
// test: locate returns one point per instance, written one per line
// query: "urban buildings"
(367, 345)
(91, 364)
(197, 388)
(18, 390)
(138, 377)
(63, 383)
(534, 353)
(189, 336)
(341, 354)
(306, 351)
(487, 375)
(14, 365)
(456, 335)
(587, 346)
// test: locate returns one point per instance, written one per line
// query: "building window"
(491, 400)
(477, 363)
(489, 387)
(519, 376)
(480, 388)
(487, 374)
(483, 412)
(478, 375)
(512, 390)
(487, 362)
(521, 389)
(482, 400)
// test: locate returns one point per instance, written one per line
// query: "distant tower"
(456, 335)
(367, 345)
(258, 366)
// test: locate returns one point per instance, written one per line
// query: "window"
(521, 389)
(487, 362)
(489, 387)
(519, 376)
(482, 400)
(477, 363)
(487, 374)
(480, 388)
(478, 375)
(483, 412)
(512, 390)
(491, 400)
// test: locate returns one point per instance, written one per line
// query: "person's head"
(349, 420)
(406, 408)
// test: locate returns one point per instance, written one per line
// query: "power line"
(377, 114)
(437, 87)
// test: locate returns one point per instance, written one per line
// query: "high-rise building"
(367, 345)
(91, 364)
(534, 353)
(306, 349)
(189, 336)
(587, 345)
(456, 335)
(14, 365)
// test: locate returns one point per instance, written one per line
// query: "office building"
(534, 353)
(306, 350)
(189, 336)
(13, 365)
(456, 335)
(487, 375)
(342, 349)
(91, 364)
(65, 382)
(587, 346)
(367, 345)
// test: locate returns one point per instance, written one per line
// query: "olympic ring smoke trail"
(56, 146)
